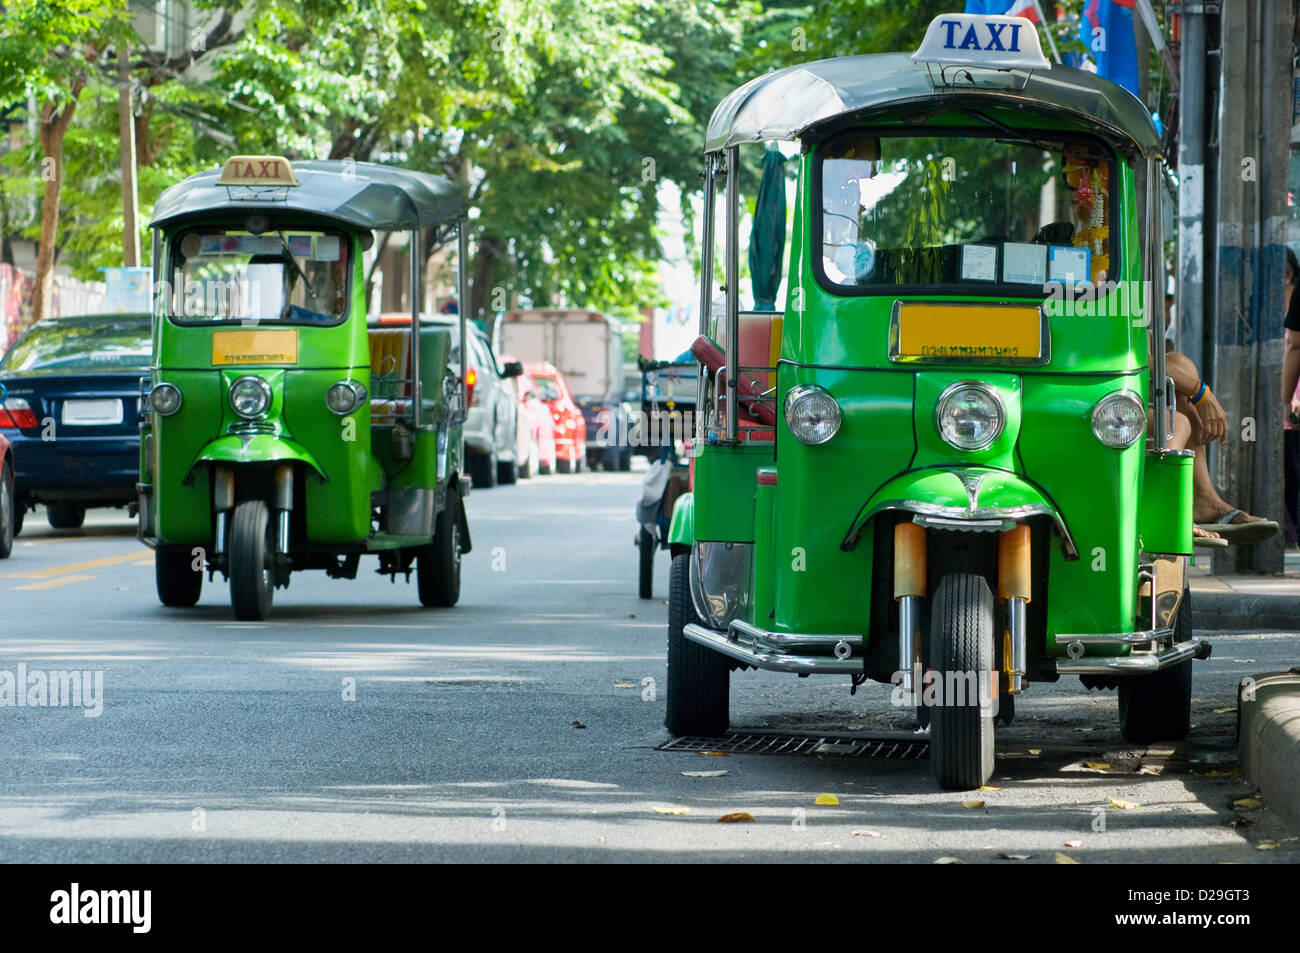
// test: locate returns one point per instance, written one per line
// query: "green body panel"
(182, 495)
(724, 490)
(931, 450)
(763, 598)
(681, 531)
(1166, 517)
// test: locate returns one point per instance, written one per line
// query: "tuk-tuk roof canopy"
(789, 103)
(360, 194)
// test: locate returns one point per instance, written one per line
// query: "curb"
(1237, 611)
(1268, 740)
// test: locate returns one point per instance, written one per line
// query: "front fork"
(223, 501)
(1014, 587)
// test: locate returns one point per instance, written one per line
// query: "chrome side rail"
(772, 660)
(1136, 664)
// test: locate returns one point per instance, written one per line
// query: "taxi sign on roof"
(993, 42)
(257, 170)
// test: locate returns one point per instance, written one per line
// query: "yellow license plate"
(969, 332)
(255, 347)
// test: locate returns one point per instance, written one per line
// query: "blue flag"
(1011, 8)
(1106, 31)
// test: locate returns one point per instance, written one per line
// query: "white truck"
(587, 347)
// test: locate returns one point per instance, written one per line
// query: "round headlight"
(345, 397)
(1119, 419)
(250, 396)
(165, 399)
(811, 414)
(969, 416)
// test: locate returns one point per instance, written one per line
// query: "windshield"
(298, 276)
(964, 210)
(546, 388)
(84, 347)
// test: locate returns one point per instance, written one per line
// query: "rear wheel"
(483, 468)
(65, 515)
(698, 678)
(625, 459)
(961, 666)
(252, 579)
(437, 568)
(646, 546)
(178, 583)
(507, 472)
(1158, 707)
(7, 522)
(20, 510)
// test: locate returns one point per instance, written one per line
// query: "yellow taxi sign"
(255, 347)
(257, 170)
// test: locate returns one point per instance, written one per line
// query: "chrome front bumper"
(772, 650)
(1137, 662)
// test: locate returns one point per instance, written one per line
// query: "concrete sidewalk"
(1245, 603)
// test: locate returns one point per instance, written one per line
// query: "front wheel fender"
(682, 528)
(255, 448)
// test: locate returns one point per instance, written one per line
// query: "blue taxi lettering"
(970, 40)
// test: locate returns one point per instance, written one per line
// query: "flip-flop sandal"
(1252, 531)
(1209, 542)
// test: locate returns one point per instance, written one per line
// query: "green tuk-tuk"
(930, 469)
(281, 431)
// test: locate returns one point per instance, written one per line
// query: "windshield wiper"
(1020, 135)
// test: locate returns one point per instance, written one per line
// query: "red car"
(6, 491)
(537, 430)
(570, 428)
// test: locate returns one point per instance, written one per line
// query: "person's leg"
(1291, 482)
(1207, 505)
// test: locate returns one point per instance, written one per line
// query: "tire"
(252, 578)
(507, 472)
(483, 469)
(646, 546)
(1158, 707)
(437, 567)
(20, 511)
(177, 582)
(563, 466)
(698, 678)
(961, 641)
(65, 515)
(625, 460)
(528, 466)
(8, 522)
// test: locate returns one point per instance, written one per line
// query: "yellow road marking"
(54, 583)
(78, 567)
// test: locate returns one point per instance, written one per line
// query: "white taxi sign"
(994, 42)
(257, 170)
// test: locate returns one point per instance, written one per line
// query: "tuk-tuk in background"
(661, 433)
(929, 470)
(282, 432)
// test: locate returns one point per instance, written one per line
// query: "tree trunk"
(54, 123)
(490, 249)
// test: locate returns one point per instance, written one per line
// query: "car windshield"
(64, 346)
(546, 388)
(964, 210)
(296, 276)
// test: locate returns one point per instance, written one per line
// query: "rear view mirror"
(512, 369)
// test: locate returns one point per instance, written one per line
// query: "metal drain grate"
(844, 746)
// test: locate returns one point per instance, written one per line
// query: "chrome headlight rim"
(165, 387)
(263, 389)
(355, 388)
(1119, 397)
(974, 385)
(801, 394)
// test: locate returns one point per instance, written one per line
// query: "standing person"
(1291, 398)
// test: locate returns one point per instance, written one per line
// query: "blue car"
(71, 414)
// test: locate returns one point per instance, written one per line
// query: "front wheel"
(960, 685)
(1158, 707)
(437, 567)
(178, 582)
(7, 510)
(252, 580)
(699, 679)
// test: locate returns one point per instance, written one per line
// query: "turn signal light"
(17, 414)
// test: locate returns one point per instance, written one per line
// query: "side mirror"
(512, 369)
(4, 392)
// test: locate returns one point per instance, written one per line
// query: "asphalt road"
(225, 741)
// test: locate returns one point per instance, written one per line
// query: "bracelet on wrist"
(1201, 394)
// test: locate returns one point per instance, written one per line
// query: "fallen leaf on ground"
(972, 805)
(1150, 769)
(624, 685)
(1250, 803)
(1015, 856)
(1124, 805)
(736, 817)
(867, 834)
(703, 774)
(947, 860)
(989, 787)
(578, 724)
(1267, 845)
(671, 810)
(1074, 843)
(1035, 751)
(1064, 858)
(1230, 773)
(1097, 765)
(826, 799)
(715, 754)
(1224, 711)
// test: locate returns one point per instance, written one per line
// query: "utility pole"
(126, 129)
(1191, 185)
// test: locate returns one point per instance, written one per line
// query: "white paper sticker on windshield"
(240, 245)
(1069, 265)
(300, 246)
(327, 248)
(979, 263)
(1024, 264)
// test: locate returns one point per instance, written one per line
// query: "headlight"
(1119, 419)
(811, 414)
(250, 396)
(165, 399)
(345, 397)
(969, 416)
